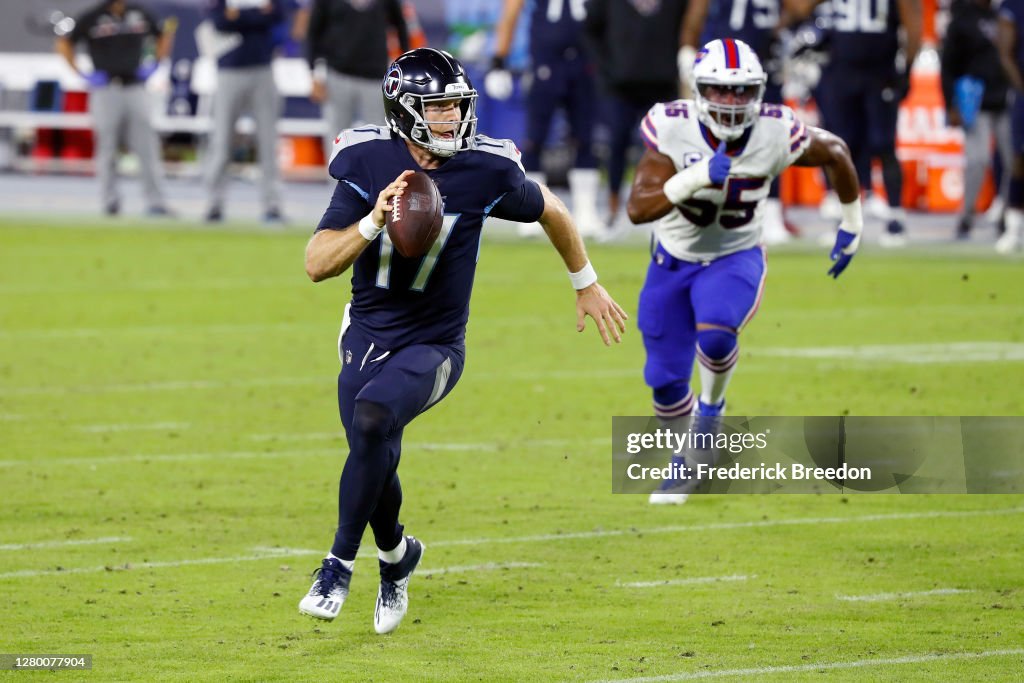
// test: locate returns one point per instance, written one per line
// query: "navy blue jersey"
(398, 301)
(864, 32)
(555, 28)
(752, 21)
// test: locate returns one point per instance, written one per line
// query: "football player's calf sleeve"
(685, 183)
(716, 345)
(673, 400)
(365, 473)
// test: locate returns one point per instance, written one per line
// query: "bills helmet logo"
(700, 56)
(393, 82)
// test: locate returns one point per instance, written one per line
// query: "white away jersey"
(724, 219)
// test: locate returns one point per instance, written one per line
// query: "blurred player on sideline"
(562, 78)
(872, 48)
(115, 33)
(1011, 53)
(704, 178)
(756, 23)
(403, 337)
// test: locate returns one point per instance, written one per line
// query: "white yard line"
(33, 545)
(693, 580)
(132, 427)
(306, 452)
(265, 553)
(258, 554)
(955, 352)
(881, 597)
(756, 672)
(722, 526)
(928, 354)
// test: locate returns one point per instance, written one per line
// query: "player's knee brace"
(673, 400)
(716, 346)
(371, 423)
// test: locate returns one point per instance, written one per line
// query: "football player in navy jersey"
(862, 87)
(562, 78)
(402, 341)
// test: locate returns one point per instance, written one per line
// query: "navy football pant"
(678, 294)
(380, 391)
(567, 85)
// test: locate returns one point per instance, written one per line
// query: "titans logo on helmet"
(393, 82)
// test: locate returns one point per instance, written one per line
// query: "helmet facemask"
(728, 85)
(728, 109)
(420, 132)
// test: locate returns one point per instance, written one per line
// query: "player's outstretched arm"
(591, 297)
(331, 252)
(830, 153)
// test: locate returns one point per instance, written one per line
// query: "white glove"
(498, 84)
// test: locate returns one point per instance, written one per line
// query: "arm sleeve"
(524, 204)
(950, 63)
(82, 25)
(317, 26)
(397, 19)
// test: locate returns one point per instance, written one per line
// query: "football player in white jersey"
(704, 178)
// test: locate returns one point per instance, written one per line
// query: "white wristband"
(684, 184)
(584, 278)
(369, 229)
(853, 217)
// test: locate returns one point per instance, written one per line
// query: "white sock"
(395, 554)
(584, 184)
(715, 375)
(347, 564)
(1014, 219)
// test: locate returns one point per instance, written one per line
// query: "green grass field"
(171, 450)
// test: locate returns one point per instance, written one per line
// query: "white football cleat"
(393, 594)
(659, 498)
(328, 592)
(1008, 243)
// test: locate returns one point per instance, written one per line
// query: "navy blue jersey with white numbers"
(398, 301)
(752, 21)
(555, 28)
(864, 32)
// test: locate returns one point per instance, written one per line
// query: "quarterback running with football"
(402, 341)
(704, 178)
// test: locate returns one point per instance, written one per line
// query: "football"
(414, 221)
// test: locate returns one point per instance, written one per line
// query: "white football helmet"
(728, 83)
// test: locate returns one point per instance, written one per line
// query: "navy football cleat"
(393, 594)
(328, 592)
